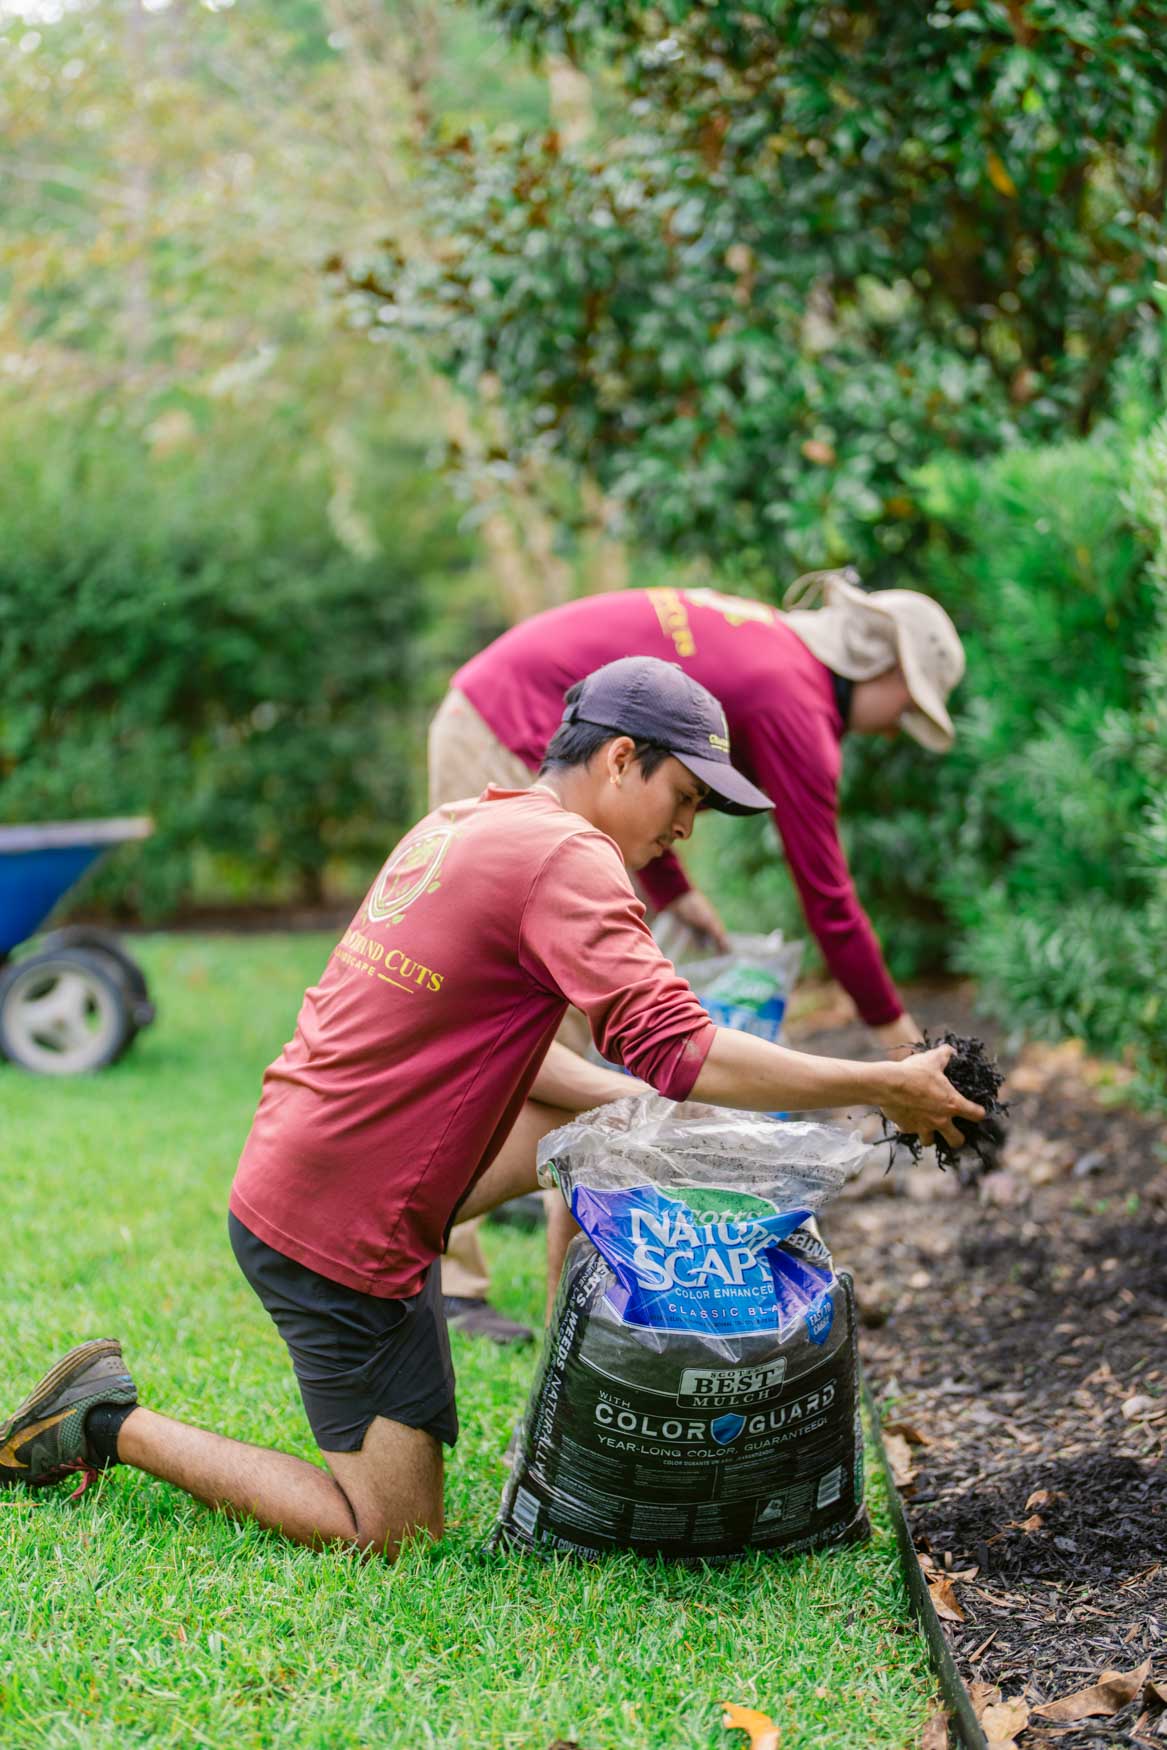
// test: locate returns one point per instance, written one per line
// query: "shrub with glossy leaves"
(812, 246)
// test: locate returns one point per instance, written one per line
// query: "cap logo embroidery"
(721, 742)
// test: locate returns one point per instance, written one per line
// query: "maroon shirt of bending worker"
(775, 675)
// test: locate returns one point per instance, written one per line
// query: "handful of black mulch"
(976, 1076)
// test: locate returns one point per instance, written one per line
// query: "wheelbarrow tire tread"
(93, 939)
(101, 974)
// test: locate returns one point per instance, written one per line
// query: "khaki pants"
(464, 757)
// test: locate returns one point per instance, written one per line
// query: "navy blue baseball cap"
(657, 701)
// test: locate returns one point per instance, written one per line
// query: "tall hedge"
(186, 636)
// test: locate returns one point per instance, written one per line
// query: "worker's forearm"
(568, 1080)
(743, 1071)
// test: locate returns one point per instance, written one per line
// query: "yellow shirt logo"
(411, 871)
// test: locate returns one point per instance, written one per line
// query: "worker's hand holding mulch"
(974, 1073)
(922, 1102)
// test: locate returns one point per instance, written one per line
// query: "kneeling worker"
(421, 1076)
(792, 684)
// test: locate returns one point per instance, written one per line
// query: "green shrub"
(1147, 847)
(1048, 788)
(186, 636)
(1036, 557)
(807, 248)
(1034, 856)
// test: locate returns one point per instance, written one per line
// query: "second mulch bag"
(697, 1395)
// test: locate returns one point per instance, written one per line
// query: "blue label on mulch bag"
(819, 1319)
(683, 1269)
(763, 1020)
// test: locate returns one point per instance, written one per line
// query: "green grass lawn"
(135, 1617)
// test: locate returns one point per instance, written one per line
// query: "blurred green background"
(336, 336)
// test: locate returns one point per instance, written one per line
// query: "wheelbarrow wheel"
(93, 940)
(64, 1013)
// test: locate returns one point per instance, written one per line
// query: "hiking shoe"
(477, 1318)
(45, 1439)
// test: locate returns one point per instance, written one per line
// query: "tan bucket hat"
(861, 635)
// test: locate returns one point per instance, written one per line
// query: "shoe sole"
(59, 1376)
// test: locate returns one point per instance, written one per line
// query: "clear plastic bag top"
(701, 1211)
(748, 988)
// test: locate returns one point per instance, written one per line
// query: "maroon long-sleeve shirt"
(784, 727)
(414, 1052)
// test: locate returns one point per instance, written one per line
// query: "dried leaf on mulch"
(899, 1456)
(943, 1595)
(911, 1431)
(983, 1695)
(1003, 1721)
(1153, 1719)
(1044, 1498)
(1142, 1405)
(1113, 1691)
(980, 1651)
(1000, 1721)
(935, 1733)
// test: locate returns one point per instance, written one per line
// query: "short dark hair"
(573, 744)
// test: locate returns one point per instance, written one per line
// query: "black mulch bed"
(1015, 1335)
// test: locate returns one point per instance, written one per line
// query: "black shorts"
(355, 1356)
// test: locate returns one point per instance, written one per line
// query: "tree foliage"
(226, 664)
(814, 245)
(225, 555)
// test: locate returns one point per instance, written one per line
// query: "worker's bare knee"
(378, 1544)
(393, 1487)
(386, 1541)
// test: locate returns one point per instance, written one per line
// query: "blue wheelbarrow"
(77, 1001)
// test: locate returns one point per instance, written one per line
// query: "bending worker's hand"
(922, 1100)
(897, 1037)
(699, 914)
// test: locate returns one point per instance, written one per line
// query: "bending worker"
(421, 1076)
(792, 684)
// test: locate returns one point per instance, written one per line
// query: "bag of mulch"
(697, 1395)
(748, 988)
